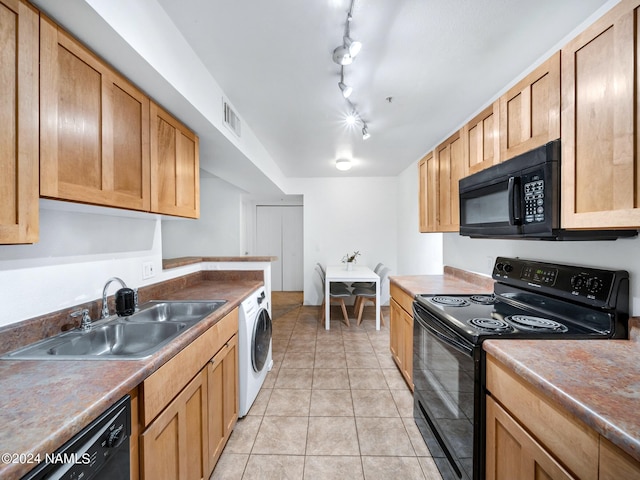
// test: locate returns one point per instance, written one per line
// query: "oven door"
(447, 396)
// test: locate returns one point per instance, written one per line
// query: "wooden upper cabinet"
(19, 120)
(94, 139)
(175, 164)
(450, 161)
(481, 139)
(530, 111)
(600, 144)
(428, 192)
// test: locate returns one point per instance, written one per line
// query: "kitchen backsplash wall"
(80, 248)
(478, 255)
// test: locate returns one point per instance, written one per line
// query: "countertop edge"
(170, 263)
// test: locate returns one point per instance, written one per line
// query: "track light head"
(365, 133)
(342, 56)
(353, 46)
(346, 89)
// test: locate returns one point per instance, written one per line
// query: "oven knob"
(576, 282)
(499, 266)
(594, 284)
(508, 268)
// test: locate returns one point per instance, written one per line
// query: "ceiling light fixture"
(365, 132)
(343, 164)
(346, 89)
(344, 55)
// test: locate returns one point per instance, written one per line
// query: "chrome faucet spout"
(105, 307)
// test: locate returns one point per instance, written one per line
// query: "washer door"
(261, 340)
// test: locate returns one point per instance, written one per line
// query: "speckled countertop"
(598, 381)
(182, 261)
(45, 403)
(453, 281)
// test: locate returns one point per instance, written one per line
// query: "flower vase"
(349, 266)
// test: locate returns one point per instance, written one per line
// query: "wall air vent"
(229, 118)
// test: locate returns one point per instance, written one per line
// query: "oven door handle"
(445, 338)
(513, 193)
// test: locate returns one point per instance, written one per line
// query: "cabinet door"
(428, 193)
(530, 111)
(512, 453)
(407, 349)
(174, 446)
(482, 139)
(223, 398)
(19, 120)
(450, 161)
(396, 332)
(94, 139)
(600, 178)
(616, 464)
(175, 163)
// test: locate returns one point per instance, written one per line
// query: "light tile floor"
(334, 406)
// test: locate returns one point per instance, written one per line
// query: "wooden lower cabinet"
(616, 464)
(514, 454)
(223, 398)
(174, 446)
(401, 333)
(529, 436)
(189, 406)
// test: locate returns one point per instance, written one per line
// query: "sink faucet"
(85, 322)
(105, 307)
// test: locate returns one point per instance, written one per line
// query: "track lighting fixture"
(346, 89)
(353, 46)
(365, 132)
(344, 55)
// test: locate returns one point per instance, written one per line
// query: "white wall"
(80, 247)
(346, 214)
(218, 231)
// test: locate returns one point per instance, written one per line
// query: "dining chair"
(377, 269)
(324, 273)
(368, 294)
(337, 292)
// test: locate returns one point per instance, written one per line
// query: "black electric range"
(531, 300)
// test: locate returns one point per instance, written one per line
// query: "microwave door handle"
(513, 192)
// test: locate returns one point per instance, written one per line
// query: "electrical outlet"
(147, 270)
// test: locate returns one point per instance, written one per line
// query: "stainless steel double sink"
(134, 337)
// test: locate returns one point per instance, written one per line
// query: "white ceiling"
(440, 60)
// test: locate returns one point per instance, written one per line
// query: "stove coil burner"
(450, 301)
(483, 299)
(536, 324)
(490, 325)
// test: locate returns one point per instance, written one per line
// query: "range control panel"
(587, 285)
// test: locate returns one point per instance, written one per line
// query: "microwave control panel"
(533, 189)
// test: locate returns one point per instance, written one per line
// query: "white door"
(279, 234)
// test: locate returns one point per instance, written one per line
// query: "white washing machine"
(254, 347)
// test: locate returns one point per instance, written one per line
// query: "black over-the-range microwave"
(520, 198)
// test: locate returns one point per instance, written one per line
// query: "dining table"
(356, 273)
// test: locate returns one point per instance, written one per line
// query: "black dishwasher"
(99, 452)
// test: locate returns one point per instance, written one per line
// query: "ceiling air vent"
(230, 118)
